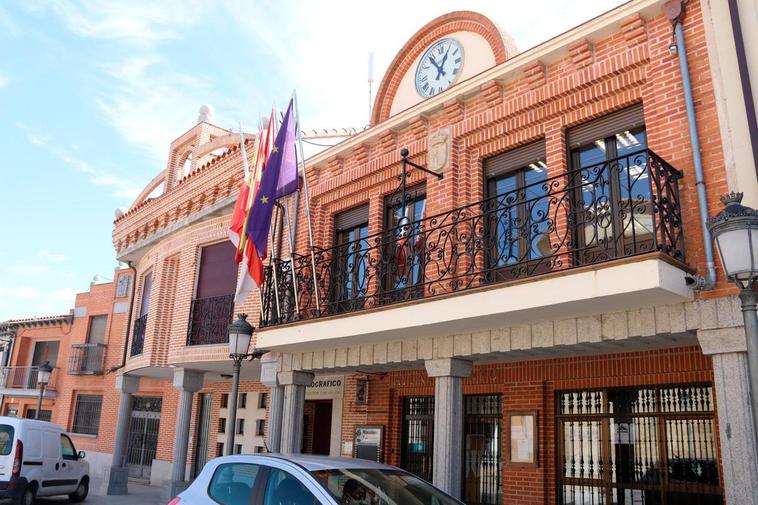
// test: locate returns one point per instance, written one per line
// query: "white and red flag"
(252, 273)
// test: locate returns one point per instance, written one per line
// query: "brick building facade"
(527, 335)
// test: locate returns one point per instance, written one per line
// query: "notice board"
(368, 443)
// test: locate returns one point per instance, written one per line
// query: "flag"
(251, 274)
(279, 179)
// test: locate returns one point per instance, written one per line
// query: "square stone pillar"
(118, 476)
(294, 384)
(269, 370)
(448, 422)
(739, 459)
(187, 383)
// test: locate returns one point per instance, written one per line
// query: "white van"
(38, 459)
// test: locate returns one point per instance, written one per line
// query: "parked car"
(278, 479)
(38, 459)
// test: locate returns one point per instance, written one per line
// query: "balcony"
(86, 359)
(209, 320)
(619, 209)
(22, 381)
(138, 335)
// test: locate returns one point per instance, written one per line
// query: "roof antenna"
(370, 81)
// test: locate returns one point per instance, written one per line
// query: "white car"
(279, 479)
(38, 459)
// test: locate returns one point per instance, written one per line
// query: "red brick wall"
(525, 385)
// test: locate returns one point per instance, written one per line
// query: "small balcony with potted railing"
(86, 359)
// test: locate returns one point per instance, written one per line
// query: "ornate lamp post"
(43, 378)
(735, 230)
(240, 334)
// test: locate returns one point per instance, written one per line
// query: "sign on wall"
(325, 387)
(368, 442)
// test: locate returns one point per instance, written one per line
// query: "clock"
(439, 67)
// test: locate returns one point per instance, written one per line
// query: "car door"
(51, 464)
(70, 469)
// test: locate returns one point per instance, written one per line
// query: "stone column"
(448, 422)
(269, 370)
(119, 472)
(739, 458)
(294, 384)
(187, 383)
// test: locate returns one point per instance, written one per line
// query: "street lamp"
(240, 334)
(735, 230)
(43, 378)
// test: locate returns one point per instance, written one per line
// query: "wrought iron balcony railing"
(138, 335)
(86, 359)
(209, 320)
(620, 208)
(24, 377)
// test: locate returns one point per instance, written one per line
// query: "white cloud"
(151, 104)
(136, 22)
(51, 257)
(122, 187)
(22, 292)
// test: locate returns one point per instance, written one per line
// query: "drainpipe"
(128, 320)
(675, 12)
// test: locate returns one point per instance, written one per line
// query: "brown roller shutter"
(218, 271)
(514, 159)
(351, 218)
(616, 122)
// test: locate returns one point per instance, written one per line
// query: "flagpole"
(307, 203)
(274, 266)
(292, 259)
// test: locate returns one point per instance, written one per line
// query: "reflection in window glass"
(6, 439)
(232, 483)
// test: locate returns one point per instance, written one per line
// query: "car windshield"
(380, 487)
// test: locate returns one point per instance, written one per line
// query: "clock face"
(439, 67)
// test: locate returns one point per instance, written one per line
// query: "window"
(260, 427)
(140, 324)
(96, 332)
(122, 286)
(350, 259)
(6, 439)
(238, 449)
(67, 448)
(240, 427)
(87, 414)
(242, 401)
(259, 449)
(262, 400)
(222, 425)
(613, 208)
(224, 400)
(211, 309)
(233, 483)
(219, 449)
(44, 415)
(284, 489)
(518, 219)
(404, 245)
(642, 445)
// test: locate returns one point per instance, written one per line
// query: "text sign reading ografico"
(325, 386)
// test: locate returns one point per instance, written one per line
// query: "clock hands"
(440, 71)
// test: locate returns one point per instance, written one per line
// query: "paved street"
(142, 495)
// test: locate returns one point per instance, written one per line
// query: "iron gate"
(203, 429)
(630, 446)
(143, 436)
(418, 436)
(482, 465)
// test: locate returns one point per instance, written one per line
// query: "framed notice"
(522, 439)
(368, 442)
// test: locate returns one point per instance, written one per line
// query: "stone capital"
(722, 340)
(269, 370)
(295, 378)
(187, 380)
(448, 367)
(127, 383)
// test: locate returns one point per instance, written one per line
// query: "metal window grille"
(87, 414)
(418, 435)
(648, 445)
(482, 458)
(44, 415)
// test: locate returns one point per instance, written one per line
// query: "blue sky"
(92, 92)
